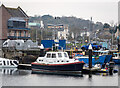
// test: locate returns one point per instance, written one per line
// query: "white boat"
(54, 62)
(8, 63)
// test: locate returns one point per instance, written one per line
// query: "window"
(15, 33)
(25, 33)
(16, 24)
(15, 62)
(48, 55)
(6, 43)
(59, 55)
(7, 62)
(18, 44)
(0, 62)
(19, 33)
(65, 54)
(11, 63)
(4, 63)
(53, 55)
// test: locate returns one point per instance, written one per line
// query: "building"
(13, 23)
(60, 31)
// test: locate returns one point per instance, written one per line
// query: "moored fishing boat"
(99, 57)
(54, 62)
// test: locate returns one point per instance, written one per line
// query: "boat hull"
(59, 67)
(100, 60)
(117, 61)
(108, 58)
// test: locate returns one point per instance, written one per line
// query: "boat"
(116, 58)
(57, 62)
(100, 57)
(8, 63)
(105, 53)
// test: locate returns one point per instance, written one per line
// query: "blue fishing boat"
(105, 53)
(116, 58)
(101, 58)
(95, 60)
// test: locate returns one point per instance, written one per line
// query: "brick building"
(13, 23)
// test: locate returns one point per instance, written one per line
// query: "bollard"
(90, 56)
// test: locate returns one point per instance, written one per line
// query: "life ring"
(73, 54)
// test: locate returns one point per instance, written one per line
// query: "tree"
(106, 25)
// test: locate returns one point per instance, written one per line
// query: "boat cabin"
(58, 55)
(55, 57)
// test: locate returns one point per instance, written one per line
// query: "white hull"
(8, 63)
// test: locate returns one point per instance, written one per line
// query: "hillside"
(75, 24)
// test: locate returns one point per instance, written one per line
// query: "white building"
(64, 33)
(60, 29)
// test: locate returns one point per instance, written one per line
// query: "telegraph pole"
(90, 29)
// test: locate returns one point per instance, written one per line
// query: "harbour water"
(15, 77)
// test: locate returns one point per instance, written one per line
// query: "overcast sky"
(100, 10)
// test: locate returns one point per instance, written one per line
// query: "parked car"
(94, 46)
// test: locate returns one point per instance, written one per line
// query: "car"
(94, 46)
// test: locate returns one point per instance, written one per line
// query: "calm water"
(15, 77)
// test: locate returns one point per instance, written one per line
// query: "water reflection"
(23, 77)
(13, 71)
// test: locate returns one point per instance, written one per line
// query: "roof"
(16, 12)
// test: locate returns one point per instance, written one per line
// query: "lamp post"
(118, 37)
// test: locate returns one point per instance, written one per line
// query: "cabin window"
(62, 61)
(15, 62)
(7, 62)
(65, 54)
(59, 55)
(53, 55)
(11, 63)
(48, 55)
(4, 63)
(0, 62)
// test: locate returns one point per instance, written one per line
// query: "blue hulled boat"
(101, 58)
(95, 60)
(54, 62)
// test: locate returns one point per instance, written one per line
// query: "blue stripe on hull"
(70, 67)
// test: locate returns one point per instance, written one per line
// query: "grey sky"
(100, 10)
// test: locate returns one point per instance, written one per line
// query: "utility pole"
(90, 29)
